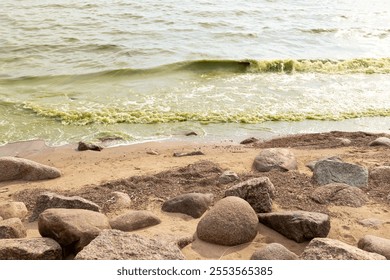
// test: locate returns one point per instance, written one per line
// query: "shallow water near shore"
(83, 70)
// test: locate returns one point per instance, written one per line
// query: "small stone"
(195, 153)
(275, 158)
(228, 177)
(345, 141)
(381, 141)
(249, 141)
(192, 204)
(134, 220)
(274, 251)
(88, 146)
(372, 223)
(117, 202)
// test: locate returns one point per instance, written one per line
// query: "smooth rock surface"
(13, 209)
(340, 195)
(299, 226)
(117, 202)
(331, 249)
(381, 141)
(13, 168)
(375, 244)
(275, 158)
(258, 192)
(119, 245)
(134, 220)
(192, 204)
(71, 228)
(274, 251)
(12, 228)
(232, 221)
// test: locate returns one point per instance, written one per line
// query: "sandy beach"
(156, 175)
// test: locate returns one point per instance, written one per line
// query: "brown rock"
(297, 225)
(13, 209)
(275, 158)
(232, 221)
(13, 168)
(274, 251)
(192, 204)
(117, 202)
(228, 177)
(52, 200)
(375, 244)
(119, 245)
(134, 220)
(30, 249)
(88, 146)
(258, 192)
(12, 228)
(331, 249)
(71, 228)
(381, 141)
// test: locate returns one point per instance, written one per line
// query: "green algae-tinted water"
(72, 70)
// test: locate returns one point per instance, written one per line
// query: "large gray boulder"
(330, 171)
(331, 249)
(232, 221)
(339, 194)
(275, 158)
(375, 244)
(119, 245)
(12, 228)
(30, 249)
(258, 192)
(274, 251)
(13, 168)
(71, 228)
(13, 209)
(134, 220)
(52, 200)
(192, 204)
(297, 225)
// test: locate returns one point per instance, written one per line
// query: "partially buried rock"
(249, 140)
(375, 244)
(381, 141)
(299, 226)
(311, 164)
(275, 158)
(12, 228)
(331, 249)
(134, 220)
(274, 251)
(192, 204)
(13, 168)
(30, 249)
(52, 200)
(339, 194)
(118, 245)
(88, 146)
(371, 223)
(13, 209)
(258, 192)
(227, 177)
(187, 154)
(232, 221)
(380, 175)
(118, 201)
(72, 228)
(330, 171)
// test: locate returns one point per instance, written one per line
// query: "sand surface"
(151, 178)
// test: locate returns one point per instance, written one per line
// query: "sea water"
(75, 70)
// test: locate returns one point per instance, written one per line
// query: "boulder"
(339, 194)
(275, 158)
(297, 225)
(192, 204)
(119, 245)
(274, 251)
(71, 228)
(52, 200)
(134, 220)
(13, 168)
(375, 244)
(13, 209)
(331, 249)
(258, 192)
(311, 164)
(12, 228)
(232, 221)
(330, 171)
(381, 141)
(117, 202)
(30, 249)
(228, 177)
